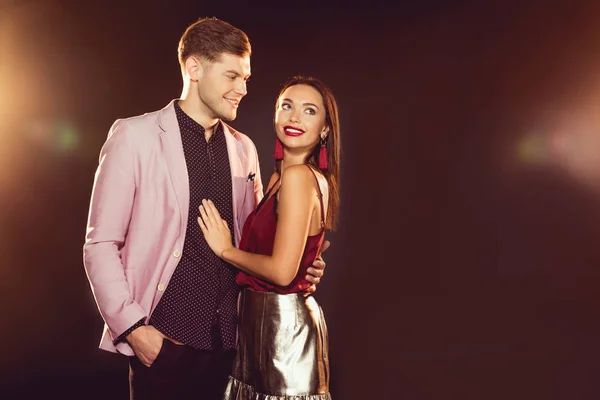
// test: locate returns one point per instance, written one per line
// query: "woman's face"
(300, 119)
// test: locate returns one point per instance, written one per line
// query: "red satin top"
(258, 236)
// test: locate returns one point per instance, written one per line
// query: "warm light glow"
(572, 143)
(5, 88)
(59, 136)
(5, 50)
(533, 149)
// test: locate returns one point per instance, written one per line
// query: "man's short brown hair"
(209, 38)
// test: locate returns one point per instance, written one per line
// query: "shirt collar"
(183, 117)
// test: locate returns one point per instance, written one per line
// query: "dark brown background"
(460, 271)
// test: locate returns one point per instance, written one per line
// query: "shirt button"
(161, 287)
(176, 253)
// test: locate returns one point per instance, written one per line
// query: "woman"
(283, 343)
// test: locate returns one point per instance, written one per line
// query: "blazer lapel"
(173, 152)
(236, 164)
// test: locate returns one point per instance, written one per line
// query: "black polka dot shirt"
(199, 305)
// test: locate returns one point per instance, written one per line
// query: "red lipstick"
(291, 131)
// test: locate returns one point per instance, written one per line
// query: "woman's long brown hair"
(332, 173)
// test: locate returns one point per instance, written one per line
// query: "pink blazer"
(138, 215)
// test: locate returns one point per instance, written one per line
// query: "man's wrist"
(124, 335)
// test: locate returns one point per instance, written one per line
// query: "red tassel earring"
(278, 154)
(323, 159)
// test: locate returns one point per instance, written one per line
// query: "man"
(168, 302)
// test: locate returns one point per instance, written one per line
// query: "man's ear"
(194, 68)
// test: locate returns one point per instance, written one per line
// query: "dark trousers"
(181, 372)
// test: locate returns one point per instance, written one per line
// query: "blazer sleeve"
(108, 221)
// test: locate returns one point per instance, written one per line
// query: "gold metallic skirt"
(282, 349)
